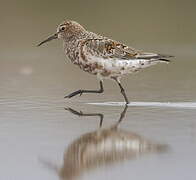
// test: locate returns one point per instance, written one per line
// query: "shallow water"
(185, 105)
(41, 139)
(44, 136)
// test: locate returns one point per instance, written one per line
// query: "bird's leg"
(122, 115)
(80, 92)
(122, 91)
(101, 116)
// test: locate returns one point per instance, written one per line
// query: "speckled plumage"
(100, 55)
(105, 57)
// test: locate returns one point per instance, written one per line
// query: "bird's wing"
(109, 49)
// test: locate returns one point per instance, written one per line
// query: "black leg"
(122, 91)
(100, 115)
(80, 92)
(86, 114)
(122, 115)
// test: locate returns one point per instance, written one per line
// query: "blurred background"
(158, 26)
(34, 80)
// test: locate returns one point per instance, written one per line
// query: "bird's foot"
(79, 113)
(74, 94)
(127, 103)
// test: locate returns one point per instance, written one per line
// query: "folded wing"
(109, 49)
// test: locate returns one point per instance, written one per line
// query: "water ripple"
(184, 105)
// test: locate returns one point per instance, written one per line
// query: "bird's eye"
(63, 28)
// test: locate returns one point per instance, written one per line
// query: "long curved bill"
(54, 36)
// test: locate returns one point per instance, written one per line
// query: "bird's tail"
(164, 58)
(155, 57)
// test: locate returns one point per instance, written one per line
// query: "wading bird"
(101, 56)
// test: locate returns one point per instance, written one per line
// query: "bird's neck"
(70, 42)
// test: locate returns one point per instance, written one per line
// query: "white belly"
(113, 67)
(120, 67)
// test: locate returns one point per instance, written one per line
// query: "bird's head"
(66, 30)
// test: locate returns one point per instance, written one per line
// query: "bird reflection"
(104, 147)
